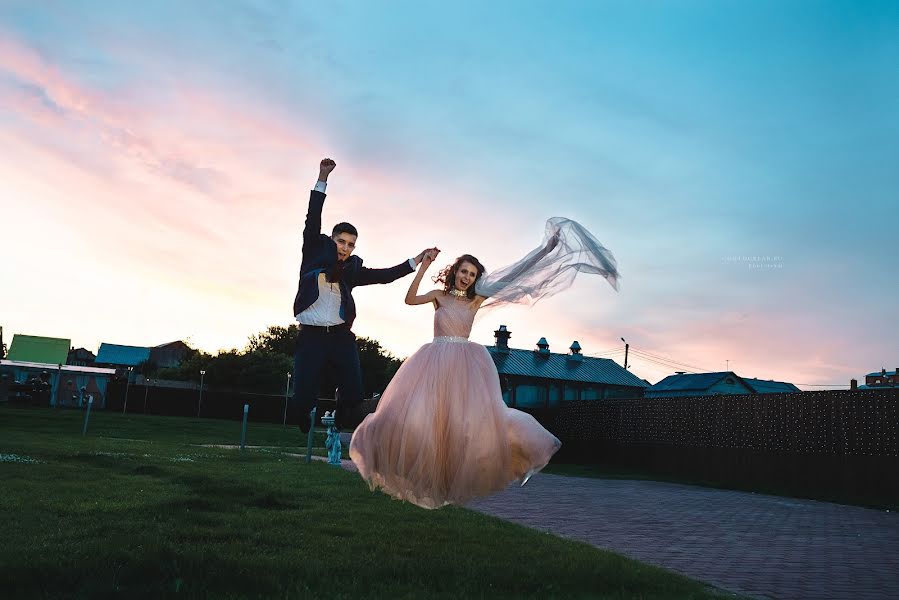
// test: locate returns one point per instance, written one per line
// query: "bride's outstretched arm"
(412, 296)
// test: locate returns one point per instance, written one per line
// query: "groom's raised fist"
(324, 168)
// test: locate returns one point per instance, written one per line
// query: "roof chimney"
(575, 349)
(853, 384)
(883, 372)
(502, 336)
(679, 372)
(542, 346)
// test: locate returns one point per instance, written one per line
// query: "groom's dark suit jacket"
(320, 254)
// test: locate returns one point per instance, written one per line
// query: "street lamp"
(626, 346)
(127, 385)
(200, 401)
(286, 393)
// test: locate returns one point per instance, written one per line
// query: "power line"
(670, 361)
(606, 352)
(648, 357)
(664, 364)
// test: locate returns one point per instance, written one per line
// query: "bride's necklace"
(458, 293)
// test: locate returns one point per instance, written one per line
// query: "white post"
(243, 431)
(286, 393)
(87, 413)
(127, 385)
(200, 401)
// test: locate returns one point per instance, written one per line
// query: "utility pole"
(200, 401)
(127, 385)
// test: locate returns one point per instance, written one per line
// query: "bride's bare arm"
(412, 296)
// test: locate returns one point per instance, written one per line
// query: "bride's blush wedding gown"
(441, 433)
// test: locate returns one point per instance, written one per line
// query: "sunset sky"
(738, 158)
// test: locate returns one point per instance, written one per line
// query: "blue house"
(710, 384)
(766, 386)
(163, 355)
(118, 356)
(542, 379)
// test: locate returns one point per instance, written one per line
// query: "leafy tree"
(275, 339)
(268, 357)
(378, 366)
(148, 368)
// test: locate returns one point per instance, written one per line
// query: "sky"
(156, 159)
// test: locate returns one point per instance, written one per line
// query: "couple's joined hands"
(427, 256)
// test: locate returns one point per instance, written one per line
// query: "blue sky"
(180, 139)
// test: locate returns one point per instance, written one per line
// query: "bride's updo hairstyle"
(447, 276)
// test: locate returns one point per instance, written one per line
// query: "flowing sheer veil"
(567, 249)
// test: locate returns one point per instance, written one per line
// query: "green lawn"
(138, 508)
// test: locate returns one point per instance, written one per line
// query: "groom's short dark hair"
(344, 228)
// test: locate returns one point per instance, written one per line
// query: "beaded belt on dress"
(449, 339)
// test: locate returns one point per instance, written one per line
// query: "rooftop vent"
(575, 349)
(502, 336)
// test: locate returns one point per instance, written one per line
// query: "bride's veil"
(567, 249)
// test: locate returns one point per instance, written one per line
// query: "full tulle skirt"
(442, 434)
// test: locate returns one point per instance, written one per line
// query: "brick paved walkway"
(761, 546)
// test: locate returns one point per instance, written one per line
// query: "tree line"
(262, 366)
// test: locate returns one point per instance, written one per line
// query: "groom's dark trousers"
(319, 347)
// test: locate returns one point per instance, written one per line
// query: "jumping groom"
(325, 311)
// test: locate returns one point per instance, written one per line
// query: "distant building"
(66, 385)
(119, 356)
(163, 356)
(171, 354)
(81, 357)
(711, 384)
(543, 379)
(38, 349)
(880, 380)
(768, 386)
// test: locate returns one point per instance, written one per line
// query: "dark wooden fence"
(837, 445)
(216, 404)
(841, 445)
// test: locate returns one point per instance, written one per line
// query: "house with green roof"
(39, 349)
(540, 379)
(712, 384)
